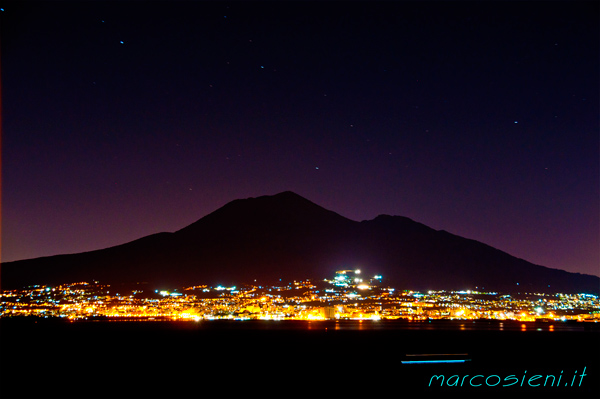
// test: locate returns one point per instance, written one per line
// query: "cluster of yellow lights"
(304, 301)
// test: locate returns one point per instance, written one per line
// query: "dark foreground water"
(295, 359)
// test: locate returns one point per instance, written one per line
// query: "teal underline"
(435, 361)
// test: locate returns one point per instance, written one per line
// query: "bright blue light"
(434, 361)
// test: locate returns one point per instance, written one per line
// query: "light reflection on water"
(374, 325)
(442, 325)
(358, 325)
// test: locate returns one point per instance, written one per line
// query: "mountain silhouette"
(288, 237)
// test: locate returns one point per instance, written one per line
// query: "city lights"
(345, 297)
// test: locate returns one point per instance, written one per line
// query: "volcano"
(287, 237)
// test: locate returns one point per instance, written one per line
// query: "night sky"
(124, 119)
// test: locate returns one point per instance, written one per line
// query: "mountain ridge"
(288, 236)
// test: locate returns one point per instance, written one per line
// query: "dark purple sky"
(123, 119)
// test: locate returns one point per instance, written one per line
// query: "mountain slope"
(287, 237)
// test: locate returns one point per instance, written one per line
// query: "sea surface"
(43, 358)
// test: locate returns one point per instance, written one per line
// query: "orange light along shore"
(346, 297)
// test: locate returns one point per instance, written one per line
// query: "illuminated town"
(348, 296)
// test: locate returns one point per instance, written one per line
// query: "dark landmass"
(287, 237)
(262, 359)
